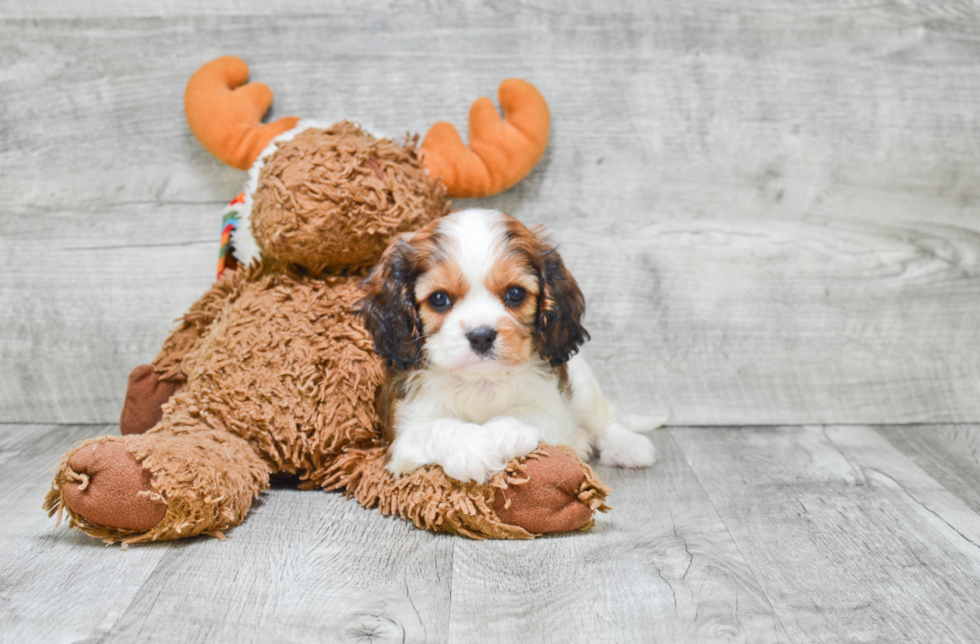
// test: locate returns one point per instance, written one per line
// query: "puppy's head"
(475, 291)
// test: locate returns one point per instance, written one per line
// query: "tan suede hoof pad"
(109, 486)
(145, 396)
(548, 502)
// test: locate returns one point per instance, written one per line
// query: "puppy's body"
(479, 321)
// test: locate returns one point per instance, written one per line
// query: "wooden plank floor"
(771, 534)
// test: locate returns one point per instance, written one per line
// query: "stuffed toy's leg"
(549, 490)
(150, 386)
(164, 484)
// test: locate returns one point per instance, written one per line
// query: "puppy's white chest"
(479, 401)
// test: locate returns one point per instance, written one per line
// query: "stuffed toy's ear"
(500, 153)
(225, 113)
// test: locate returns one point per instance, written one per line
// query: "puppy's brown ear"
(388, 307)
(559, 328)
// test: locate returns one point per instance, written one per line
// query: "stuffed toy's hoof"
(548, 500)
(107, 487)
(159, 485)
(549, 490)
(145, 396)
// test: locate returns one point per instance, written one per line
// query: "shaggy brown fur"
(433, 501)
(277, 374)
(194, 324)
(206, 478)
(272, 370)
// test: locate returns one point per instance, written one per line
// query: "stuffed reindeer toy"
(272, 371)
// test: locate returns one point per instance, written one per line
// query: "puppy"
(479, 321)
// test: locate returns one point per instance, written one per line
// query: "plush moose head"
(332, 198)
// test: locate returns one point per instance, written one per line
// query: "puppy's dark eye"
(514, 296)
(440, 301)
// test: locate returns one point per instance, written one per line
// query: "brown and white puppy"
(479, 321)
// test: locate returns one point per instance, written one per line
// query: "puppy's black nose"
(481, 339)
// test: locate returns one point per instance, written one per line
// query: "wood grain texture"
(72, 331)
(713, 113)
(948, 453)
(936, 11)
(773, 213)
(781, 534)
(661, 567)
(306, 566)
(56, 585)
(784, 322)
(849, 540)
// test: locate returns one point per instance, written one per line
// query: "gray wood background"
(772, 209)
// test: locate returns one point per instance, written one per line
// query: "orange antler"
(225, 114)
(500, 153)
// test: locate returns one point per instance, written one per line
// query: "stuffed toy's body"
(272, 372)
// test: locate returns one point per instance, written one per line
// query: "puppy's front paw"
(400, 466)
(582, 445)
(620, 447)
(512, 437)
(474, 459)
